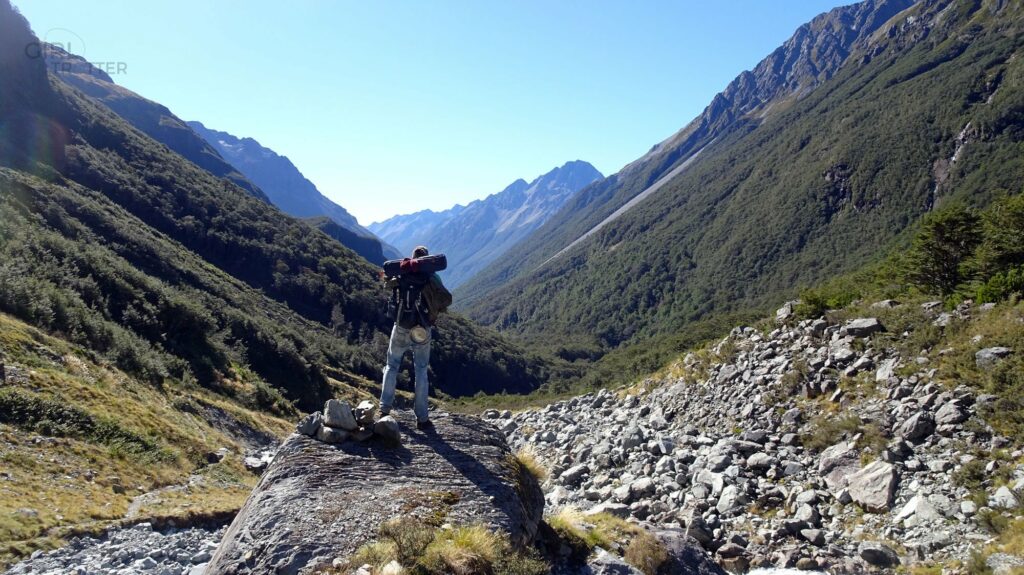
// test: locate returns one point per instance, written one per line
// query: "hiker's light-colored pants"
(400, 343)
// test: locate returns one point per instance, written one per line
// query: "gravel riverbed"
(136, 550)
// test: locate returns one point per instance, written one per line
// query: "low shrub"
(410, 537)
(645, 552)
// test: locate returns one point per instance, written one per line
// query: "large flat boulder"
(318, 502)
(874, 486)
(863, 327)
(990, 356)
(838, 463)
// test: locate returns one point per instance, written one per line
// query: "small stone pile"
(339, 423)
(720, 450)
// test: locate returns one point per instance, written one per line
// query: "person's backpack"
(407, 304)
(438, 298)
(421, 265)
(417, 296)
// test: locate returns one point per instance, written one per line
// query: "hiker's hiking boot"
(424, 424)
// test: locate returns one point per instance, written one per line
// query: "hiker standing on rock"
(417, 297)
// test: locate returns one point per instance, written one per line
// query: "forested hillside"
(811, 56)
(127, 249)
(920, 110)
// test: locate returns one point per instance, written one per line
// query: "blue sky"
(396, 106)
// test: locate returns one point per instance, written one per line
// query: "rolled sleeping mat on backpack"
(424, 265)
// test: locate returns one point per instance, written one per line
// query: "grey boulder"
(878, 554)
(387, 428)
(604, 563)
(863, 327)
(951, 413)
(685, 556)
(310, 424)
(339, 414)
(837, 463)
(331, 434)
(318, 501)
(990, 356)
(874, 486)
(918, 427)
(365, 412)
(1004, 498)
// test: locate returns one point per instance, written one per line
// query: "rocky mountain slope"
(839, 443)
(475, 235)
(810, 165)
(86, 447)
(289, 190)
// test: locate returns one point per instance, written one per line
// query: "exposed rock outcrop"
(318, 502)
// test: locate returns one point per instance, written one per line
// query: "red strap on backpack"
(410, 266)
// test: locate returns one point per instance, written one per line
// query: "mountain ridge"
(781, 73)
(289, 189)
(474, 235)
(152, 118)
(821, 185)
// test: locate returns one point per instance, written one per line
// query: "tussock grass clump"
(568, 526)
(462, 551)
(645, 553)
(827, 430)
(529, 459)
(583, 533)
(376, 554)
(423, 549)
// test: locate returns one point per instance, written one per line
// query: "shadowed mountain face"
(190, 141)
(208, 149)
(289, 190)
(810, 165)
(475, 235)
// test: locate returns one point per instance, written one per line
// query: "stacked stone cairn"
(339, 422)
